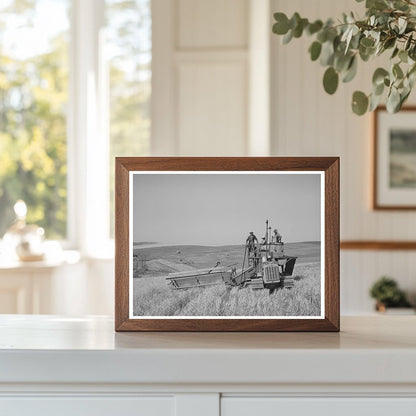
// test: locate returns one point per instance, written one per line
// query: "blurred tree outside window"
(33, 102)
(129, 51)
(34, 93)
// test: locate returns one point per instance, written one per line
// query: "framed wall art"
(227, 244)
(394, 179)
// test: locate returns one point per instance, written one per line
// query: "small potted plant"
(387, 294)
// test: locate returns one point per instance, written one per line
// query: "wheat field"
(153, 297)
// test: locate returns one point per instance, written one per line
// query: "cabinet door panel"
(87, 406)
(268, 406)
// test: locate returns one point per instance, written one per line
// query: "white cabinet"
(202, 405)
(87, 406)
(41, 287)
(68, 286)
(79, 366)
(271, 406)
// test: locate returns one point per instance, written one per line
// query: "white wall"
(200, 77)
(308, 122)
(211, 93)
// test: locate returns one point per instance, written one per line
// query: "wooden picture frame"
(390, 191)
(279, 168)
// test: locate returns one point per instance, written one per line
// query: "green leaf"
(355, 41)
(359, 103)
(411, 76)
(330, 80)
(389, 43)
(376, 4)
(366, 53)
(403, 56)
(412, 70)
(374, 102)
(294, 20)
(288, 37)
(366, 48)
(332, 33)
(412, 52)
(298, 30)
(322, 36)
(400, 5)
(397, 71)
(367, 42)
(351, 71)
(395, 52)
(327, 53)
(315, 50)
(378, 89)
(342, 62)
(379, 75)
(281, 27)
(393, 101)
(408, 42)
(314, 27)
(404, 96)
(336, 42)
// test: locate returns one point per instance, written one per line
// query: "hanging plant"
(389, 27)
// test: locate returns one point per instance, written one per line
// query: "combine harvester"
(265, 266)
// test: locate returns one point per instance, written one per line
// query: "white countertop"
(52, 349)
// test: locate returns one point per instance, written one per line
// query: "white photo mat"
(322, 235)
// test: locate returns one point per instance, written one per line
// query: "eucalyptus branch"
(388, 25)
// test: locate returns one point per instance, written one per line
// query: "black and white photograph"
(226, 244)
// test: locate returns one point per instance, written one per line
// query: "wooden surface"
(378, 245)
(330, 165)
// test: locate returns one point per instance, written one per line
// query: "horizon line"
(146, 243)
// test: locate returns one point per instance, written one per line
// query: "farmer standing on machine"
(277, 236)
(251, 242)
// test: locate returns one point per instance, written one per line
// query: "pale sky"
(21, 41)
(221, 209)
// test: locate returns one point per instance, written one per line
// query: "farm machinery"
(265, 266)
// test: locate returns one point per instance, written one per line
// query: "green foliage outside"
(33, 97)
(34, 103)
(389, 27)
(387, 292)
(129, 35)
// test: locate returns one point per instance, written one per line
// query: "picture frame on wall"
(394, 151)
(227, 244)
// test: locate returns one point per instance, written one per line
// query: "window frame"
(88, 133)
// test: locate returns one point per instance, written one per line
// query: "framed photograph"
(227, 244)
(395, 159)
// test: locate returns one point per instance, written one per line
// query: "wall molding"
(377, 245)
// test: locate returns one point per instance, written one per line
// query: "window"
(33, 99)
(75, 88)
(129, 46)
